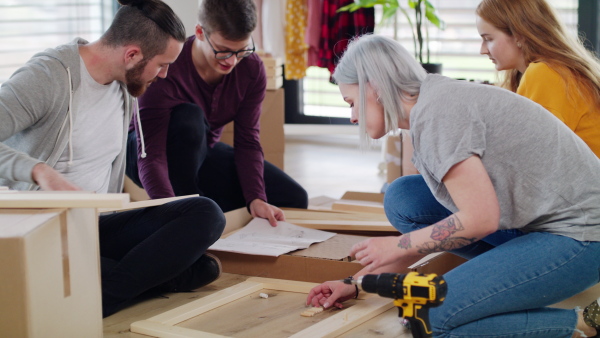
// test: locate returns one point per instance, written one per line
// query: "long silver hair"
(390, 69)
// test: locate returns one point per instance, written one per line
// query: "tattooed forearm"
(404, 242)
(441, 234)
(443, 229)
(445, 245)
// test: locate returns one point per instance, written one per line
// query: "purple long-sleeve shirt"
(238, 97)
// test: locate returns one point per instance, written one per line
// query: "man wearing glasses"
(216, 79)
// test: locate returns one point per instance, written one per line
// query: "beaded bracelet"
(356, 286)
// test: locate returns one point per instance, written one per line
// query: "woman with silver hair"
(480, 152)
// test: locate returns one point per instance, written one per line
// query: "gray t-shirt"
(546, 178)
(97, 134)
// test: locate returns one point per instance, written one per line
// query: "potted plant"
(421, 9)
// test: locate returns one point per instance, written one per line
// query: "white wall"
(187, 10)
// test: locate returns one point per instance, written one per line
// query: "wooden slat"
(163, 325)
(151, 328)
(146, 204)
(207, 303)
(344, 225)
(61, 199)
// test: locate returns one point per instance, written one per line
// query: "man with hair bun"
(63, 126)
(216, 79)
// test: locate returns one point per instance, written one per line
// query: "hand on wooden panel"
(331, 293)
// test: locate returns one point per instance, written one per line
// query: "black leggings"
(145, 248)
(195, 168)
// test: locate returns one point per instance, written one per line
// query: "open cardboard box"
(320, 262)
(49, 263)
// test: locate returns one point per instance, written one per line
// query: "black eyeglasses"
(223, 55)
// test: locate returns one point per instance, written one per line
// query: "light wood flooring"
(329, 165)
(326, 165)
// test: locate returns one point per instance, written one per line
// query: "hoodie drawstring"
(69, 111)
(139, 122)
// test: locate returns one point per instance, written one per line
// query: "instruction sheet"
(260, 238)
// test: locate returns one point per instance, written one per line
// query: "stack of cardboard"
(398, 156)
(274, 71)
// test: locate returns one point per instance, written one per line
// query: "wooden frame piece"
(11, 199)
(344, 225)
(338, 220)
(146, 203)
(163, 325)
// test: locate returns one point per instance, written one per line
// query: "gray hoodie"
(36, 115)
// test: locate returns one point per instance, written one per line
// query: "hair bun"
(133, 3)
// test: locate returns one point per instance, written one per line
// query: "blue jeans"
(510, 279)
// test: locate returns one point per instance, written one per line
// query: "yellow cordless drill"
(413, 294)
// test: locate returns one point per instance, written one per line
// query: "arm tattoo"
(443, 229)
(404, 242)
(441, 235)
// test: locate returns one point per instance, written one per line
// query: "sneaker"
(204, 271)
(591, 316)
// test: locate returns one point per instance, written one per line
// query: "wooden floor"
(325, 166)
(329, 165)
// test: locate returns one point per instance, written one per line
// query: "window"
(456, 48)
(30, 26)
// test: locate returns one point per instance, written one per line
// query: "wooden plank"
(60, 199)
(346, 215)
(207, 303)
(385, 325)
(346, 319)
(344, 225)
(149, 328)
(146, 203)
(117, 325)
(361, 206)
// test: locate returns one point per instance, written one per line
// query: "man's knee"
(186, 123)
(202, 216)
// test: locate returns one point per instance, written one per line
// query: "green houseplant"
(422, 9)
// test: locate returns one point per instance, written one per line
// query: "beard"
(133, 79)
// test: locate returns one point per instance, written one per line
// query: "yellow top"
(545, 86)
(296, 48)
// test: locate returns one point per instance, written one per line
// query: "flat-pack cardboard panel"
(52, 273)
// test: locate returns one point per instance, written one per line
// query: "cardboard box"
(271, 128)
(393, 157)
(398, 156)
(273, 71)
(320, 262)
(360, 202)
(50, 273)
(274, 82)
